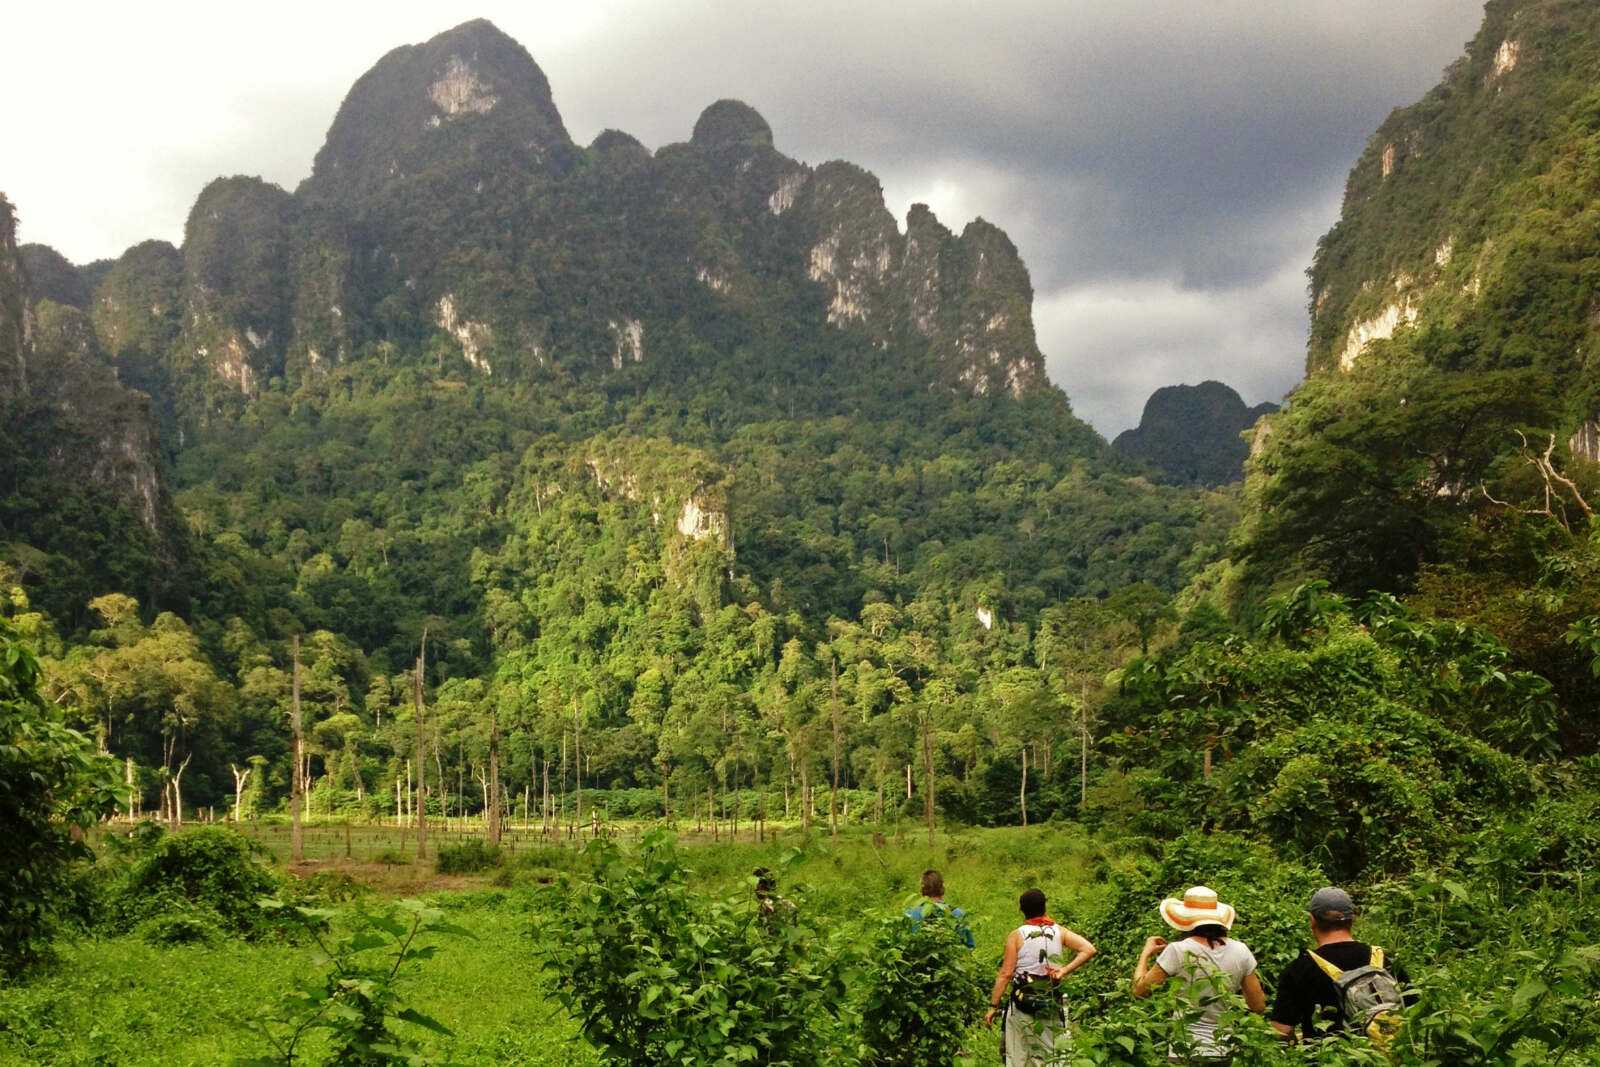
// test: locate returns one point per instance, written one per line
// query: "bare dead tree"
(1557, 487)
(494, 779)
(833, 803)
(927, 768)
(296, 782)
(240, 777)
(422, 740)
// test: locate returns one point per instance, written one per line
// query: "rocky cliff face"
(450, 213)
(80, 454)
(1194, 434)
(1469, 221)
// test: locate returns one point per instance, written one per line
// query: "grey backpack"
(1369, 997)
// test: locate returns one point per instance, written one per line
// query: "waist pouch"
(1034, 996)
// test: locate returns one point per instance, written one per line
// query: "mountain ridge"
(448, 205)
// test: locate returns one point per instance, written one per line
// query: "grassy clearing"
(121, 1001)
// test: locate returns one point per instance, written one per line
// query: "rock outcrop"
(1194, 434)
(1469, 222)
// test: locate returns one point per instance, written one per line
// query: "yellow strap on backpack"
(1335, 973)
(1327, 968)
(1382, 1029)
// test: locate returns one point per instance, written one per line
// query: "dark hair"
(1329, 921)
(1032, 903)
(932, 884)
(1212, 934)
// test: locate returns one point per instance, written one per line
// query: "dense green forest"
(811, 473)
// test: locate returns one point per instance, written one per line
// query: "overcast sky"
(1164, 166)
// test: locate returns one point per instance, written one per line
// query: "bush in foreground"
(51, 783)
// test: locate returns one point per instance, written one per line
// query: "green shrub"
(468, 857)
(50, 781)
(354, 1003)
(211, 869)
(923, 990)
(1269, 893)
(179, 927)
(656, 974)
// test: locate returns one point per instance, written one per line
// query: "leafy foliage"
(52, 786)
(353, 1005)
(468, 857)
(921, 991)
(205, 876)
(657, 975)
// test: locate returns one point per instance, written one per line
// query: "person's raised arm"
(1146, 976)
(1008, 967)
(1079, 944)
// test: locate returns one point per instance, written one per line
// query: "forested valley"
(556, 535)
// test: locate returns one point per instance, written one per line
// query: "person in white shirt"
(1208, 963)
(1034, 1026)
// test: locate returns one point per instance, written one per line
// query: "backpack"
(1369, 997)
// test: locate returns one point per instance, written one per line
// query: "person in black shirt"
(1308, 1004)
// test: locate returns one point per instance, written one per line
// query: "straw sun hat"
(1199, 907)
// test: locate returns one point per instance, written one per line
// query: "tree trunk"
(296, 786)
(927, 769)
(399, 817)
(494, 779)
(833, 801)
(239, 779)
(177, 792)
(1083, 733)
(422, 749)
(805, 798)
(444, 790)
(1024, 788)
(577, 757)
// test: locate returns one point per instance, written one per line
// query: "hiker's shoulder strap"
(1327, 968)
(1377, 957)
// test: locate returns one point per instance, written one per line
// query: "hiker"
(1341, 986)
(1207, 962)
(933, 905)
(770, 907)
(1035, 1015)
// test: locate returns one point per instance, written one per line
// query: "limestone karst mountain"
(1469, 223)
(1454, 356)
(449, 208)
(80, 462)
(371, 388)
(1191, 433)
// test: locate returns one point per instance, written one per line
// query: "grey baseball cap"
(1330, 901)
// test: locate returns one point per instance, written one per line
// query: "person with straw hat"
(1209, 964)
